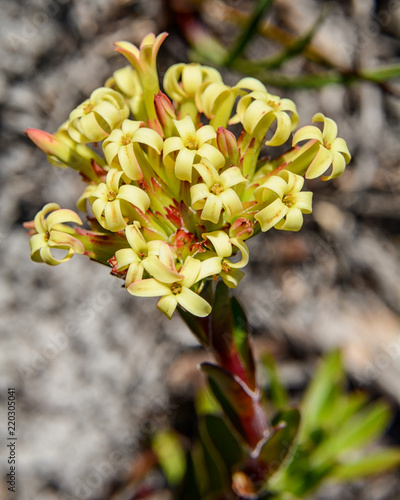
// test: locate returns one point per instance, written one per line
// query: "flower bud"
(165, 113)
(242, 229)
(227, 144)
(63, 152)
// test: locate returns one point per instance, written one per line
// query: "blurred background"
(96, 370)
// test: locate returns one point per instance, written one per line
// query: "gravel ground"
(77, 348)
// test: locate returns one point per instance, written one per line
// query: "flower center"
(217, 189)
(288, 200)
(274, 104)
(111, 195)
(327, 145)
(176, 288)
(191, 142)
(126, 139)
(88, 108)
(142, 255)
(225, 266)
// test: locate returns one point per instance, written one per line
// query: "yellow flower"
(95, 118)
(283, 202)
(216, 100)
(155, 257)
(144, 60)
(181, 81)
(216, 193)
(192, 145)
(126, 81)
(112, 202)
(332, 149)
(119, 147)
(224, 248)
(53, 233)
(258, 110)
(179, 292)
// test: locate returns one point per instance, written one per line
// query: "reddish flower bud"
(165, 113)
(227, 144)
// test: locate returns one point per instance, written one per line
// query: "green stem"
(249, 30)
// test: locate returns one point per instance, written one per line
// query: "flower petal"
(193, 303)
(232, 278)
(283, 130)
(192, 78)
(275, 184)
(185, 126)
(149, 137)
(205, 133)
(98, 207)
(241, 245)
(340, 145)
(320, 164)
(231, 177)
(231, 202)
(212, 208)
(207, 172)
(338, 166)
(60, 216)
(125, 257)
(303, 201)
(212, 154)
(135, 273)
(292, 222)
(36, 242)
(220, 241)
(148, 288)
(190, 271)
(47, 257)
(167, 305)
(172, 144)
(184, 164)
(198, 193)
(129, 163)
(135, 196)
(63, 240)
(160, 271)
(135, 238)
(271, 214)
(114, 220)
(209, 267)
(308, 132)
(330, 128)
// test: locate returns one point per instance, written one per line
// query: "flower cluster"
(172, 194)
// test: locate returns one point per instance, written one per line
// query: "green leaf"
(216, 434)
(280, 444)
(356, 432)
(206, 403)
(171, 456)
(190, 487)
(276, 391)
(373, 463)
(325, 387)
(222, 320)
(218, 477)
(249, 30)
(242, 341)
(381, 74)
(294, 49)
(346, 405)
